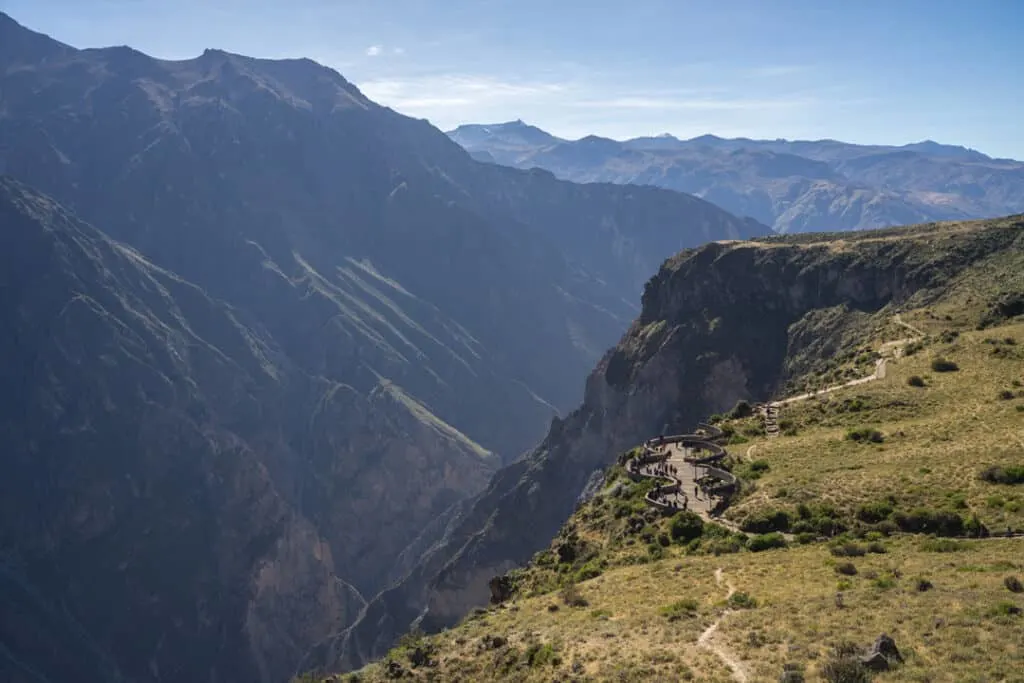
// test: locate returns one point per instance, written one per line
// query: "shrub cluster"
(944, 365)
(1013, 474)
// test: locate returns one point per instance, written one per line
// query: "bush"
(877, 548)
(848, 550)
(874, 512)
(1003, 475)
(865, 435)
(915, 381)
(686, 607)
(766, 521)
(922, 584)
(1006, 395)
(943, 365)
(845, 669)
(923, 520)
(686, 526)
(740, 410)
(1013, 584)
(572, 597)
(792, 672)
(766, 542)
(538, 655)
(591, 570)
(846, 569)
(742, 601)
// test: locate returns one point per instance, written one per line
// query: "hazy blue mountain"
(793, 186)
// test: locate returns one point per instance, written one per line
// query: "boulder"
(883, 654)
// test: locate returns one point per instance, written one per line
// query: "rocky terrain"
(723, 323)
(796, 186)
(267, 334)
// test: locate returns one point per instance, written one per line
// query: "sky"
(870, 71)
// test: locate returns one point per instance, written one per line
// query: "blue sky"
(879, 71)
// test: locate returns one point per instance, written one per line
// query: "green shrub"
(922, 584)
(1006, 609)
(877, 548)
(805, 538)
(742, 601)
(687, 607)
(845, 669)
(792, 672)
(923, 520)
(1006, 395)
(538, 655)
(572, 597)
(865, 435)
(591, 570)
(1013, 584)
(740, 410)
(766, 542)
(686, 526)
(915, 381)
(752, 470)
(766, 521)
(846, 569)
(1013, 474)
(944, 365)
(874, 512)
(848, 550)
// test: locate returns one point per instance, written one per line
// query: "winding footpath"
(770, 410)
(708, 642)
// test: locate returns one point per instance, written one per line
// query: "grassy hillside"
(874, 511)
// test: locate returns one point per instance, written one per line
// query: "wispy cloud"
(579, 103)
(415, 95)
(380, 50)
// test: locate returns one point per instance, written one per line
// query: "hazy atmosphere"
(868, 72)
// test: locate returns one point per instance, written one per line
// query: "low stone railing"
(702, 441)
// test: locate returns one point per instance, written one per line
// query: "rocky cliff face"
(720, 323)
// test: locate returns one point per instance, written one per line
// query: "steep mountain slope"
(721, 323)
(402, 289)
(141, 535)
(794, 186)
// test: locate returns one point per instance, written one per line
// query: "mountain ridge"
(836, 185)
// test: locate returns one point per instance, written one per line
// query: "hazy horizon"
(866, 74)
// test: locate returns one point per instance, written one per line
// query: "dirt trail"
(893, 347)
(707, 641)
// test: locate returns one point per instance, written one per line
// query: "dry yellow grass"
(937, 438)
(952, 632)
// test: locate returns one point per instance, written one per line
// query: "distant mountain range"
(794, 186)
(259, 334)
